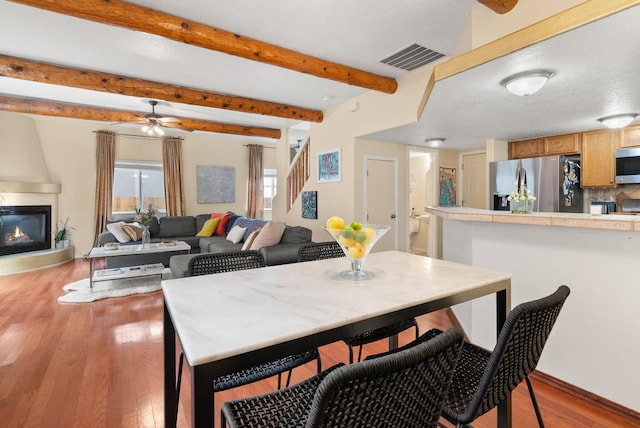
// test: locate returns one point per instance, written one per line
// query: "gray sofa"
(286, 251)
(185, 228)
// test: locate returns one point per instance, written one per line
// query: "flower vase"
(146, 237)
(521, 206)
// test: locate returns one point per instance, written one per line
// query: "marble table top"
(227, 314)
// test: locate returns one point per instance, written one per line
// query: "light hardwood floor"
(100, 364)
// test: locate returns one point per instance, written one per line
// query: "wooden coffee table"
(134, 271)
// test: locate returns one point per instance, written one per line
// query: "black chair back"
(208, 263)
(405, 389)
(514, 357)
(319, 251)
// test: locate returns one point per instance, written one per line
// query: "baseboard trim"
(596, 400)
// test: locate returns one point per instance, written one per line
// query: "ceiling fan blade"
(176, 126)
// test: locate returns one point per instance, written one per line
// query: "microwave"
(628, 166)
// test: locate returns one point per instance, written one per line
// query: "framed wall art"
(329, 166)
(447, 187)
(310, 205)
(215, 184)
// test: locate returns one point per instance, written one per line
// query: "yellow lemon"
(346, 241)
(357, 251)
(370, 235)
(335, 222)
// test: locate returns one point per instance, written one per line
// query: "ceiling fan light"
(434, 142)
(527, 83)
(145, 128)
(618, 120)
(157, 130)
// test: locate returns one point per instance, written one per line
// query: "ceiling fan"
(153, 122)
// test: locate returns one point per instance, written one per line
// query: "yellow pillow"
(209, 227)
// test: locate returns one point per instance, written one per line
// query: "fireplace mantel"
(28, 187)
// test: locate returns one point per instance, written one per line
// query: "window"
(270, 187)
(137, 184)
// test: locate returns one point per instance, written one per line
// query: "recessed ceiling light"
(527, 82)
(434, 142)
(618, 120)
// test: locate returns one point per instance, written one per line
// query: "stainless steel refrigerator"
(553, 180)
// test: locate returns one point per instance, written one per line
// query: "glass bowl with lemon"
(356, 241)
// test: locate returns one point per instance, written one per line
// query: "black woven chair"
(229, 261)
(483, 379)
(212, 263)
(405, 389)
(319, 251)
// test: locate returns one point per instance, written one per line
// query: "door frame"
(365, 186)
(432, 231)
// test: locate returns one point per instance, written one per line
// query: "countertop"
(630, 223)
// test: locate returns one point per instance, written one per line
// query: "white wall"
(592, 345)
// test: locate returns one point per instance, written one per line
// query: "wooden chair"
(405, 389)
(329, 250)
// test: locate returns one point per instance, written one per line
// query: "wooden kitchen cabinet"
(598, 158)
(568, 144)
(630, 136)
(525, 148)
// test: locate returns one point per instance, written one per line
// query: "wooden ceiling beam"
(77, 111)
(134, 17)
(24, 69)
(499, 6)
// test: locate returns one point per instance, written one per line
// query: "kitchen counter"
(596, 256)
(629, 223)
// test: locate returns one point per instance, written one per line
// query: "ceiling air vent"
(412, 57)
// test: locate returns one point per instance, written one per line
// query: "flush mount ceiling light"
(527, 82)
(618, 120)
(434, 142)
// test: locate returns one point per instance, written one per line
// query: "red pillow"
(222, 224)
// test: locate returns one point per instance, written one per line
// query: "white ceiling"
(596, 74)
(354, 33)
(595, 66)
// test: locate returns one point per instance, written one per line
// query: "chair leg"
(179, 382)
(350, 354)
(360, 353)
(535, 402)
(279, 380)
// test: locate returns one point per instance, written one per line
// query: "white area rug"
(79, 292)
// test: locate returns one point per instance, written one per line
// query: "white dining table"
(234, 320)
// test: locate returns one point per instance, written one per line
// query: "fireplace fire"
(24, 228)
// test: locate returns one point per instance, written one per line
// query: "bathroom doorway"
(422, 192)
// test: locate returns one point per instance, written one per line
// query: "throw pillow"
(270, 234)
(222, 225)
(116, 230)
(133, 230)
(236, 234)
(250, 240)
(209, 227)
(250, 224)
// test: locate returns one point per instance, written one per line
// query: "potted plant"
(63, 233)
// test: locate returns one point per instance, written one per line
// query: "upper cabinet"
(598, 158)
(568, 144)
(630, 136)
(525, 148)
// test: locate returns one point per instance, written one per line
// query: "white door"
(474, 187)
(381, 203)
